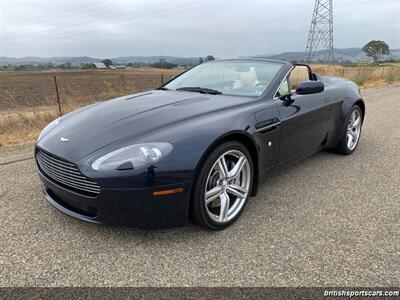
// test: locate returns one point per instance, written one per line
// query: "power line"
(92, 13)
(78, 28)
(147, 16)
(17, 22)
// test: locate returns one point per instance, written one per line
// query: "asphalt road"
(328, 221)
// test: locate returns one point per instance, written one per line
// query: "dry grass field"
(28, 100)
(364, 76)
(22, 90)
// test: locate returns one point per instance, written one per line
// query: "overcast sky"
(223, 28)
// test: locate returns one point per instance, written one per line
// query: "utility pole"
(320, 35)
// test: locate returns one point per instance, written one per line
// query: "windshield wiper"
(200, 90)
(163, 88)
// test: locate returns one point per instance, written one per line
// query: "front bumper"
(123, 207)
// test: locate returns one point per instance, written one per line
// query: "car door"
(305, 121)
(267, 133)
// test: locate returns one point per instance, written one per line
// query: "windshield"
(238, 78)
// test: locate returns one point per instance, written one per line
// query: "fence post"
(343, 72)
(58, 95)
(162, 78)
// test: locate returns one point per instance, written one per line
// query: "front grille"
(65, 174)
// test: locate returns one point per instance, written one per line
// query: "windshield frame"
(238, 60)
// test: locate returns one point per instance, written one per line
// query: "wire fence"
(35, 91)
(362, 75)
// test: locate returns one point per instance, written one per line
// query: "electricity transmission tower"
(320, 35)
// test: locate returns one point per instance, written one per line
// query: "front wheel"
(223, 186)
(352, 133)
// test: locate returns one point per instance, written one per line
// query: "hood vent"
(140, 95)
(190, 101)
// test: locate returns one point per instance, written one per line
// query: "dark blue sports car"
(197, 147)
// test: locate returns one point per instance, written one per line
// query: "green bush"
(392, 77)
(360, 79)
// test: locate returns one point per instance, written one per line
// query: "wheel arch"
(361, 104)
(348, 103)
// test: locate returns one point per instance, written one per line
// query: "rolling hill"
(341, 55)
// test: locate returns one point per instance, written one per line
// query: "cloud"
(186, 28)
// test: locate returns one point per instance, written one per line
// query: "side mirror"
(310, 87)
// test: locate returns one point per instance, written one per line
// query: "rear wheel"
(352, 133)
(223, 186)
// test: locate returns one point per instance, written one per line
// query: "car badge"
(62, 139)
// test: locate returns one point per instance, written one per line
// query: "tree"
(375, 49)
(200, 60)
(66, 65)
(87, 66)
(210, 58)
(163, 64)
(107, 62)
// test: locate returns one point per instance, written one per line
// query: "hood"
(94, 127)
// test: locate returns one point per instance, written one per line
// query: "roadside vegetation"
(364, 75)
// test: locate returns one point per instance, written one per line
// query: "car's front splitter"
(139, 208)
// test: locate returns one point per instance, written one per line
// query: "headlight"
(133, 156)
(49, 128)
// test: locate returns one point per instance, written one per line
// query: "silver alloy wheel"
(227, 186)
(353, 130)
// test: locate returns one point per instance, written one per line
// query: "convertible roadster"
(197, 147)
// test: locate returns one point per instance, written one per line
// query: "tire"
(230, 192)
(346, 147)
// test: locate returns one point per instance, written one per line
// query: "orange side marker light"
(168, 192)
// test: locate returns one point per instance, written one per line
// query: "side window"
(298, 74)
(284, 89)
